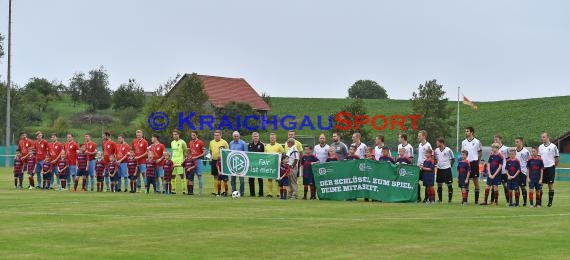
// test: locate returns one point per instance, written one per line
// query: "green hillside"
(527, 117)
(512, 118)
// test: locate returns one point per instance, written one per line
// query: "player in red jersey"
(18, 170)
(121, 153)
(91, 151)
(140, 146)
(82, 169)
(158, 149)
(109, 148)
(24, 145)
(62, 166)
(100, 169)
(41, 147)
(132, 171)
(168, 166)
(54, 150)
(71, 148)
(198, 150)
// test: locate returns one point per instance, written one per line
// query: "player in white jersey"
(504, 151)
(550, 156)
(407, 146)
(523, 155)
(321, 149)
(422, 147)
(444, 161)
(360, 146)
(379, 144)
(475, 151)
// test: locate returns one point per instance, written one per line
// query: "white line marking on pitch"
(294, 218)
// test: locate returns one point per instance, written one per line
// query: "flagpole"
(457, 136)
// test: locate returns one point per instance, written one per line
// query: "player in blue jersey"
(494, 167)
(463, 172)
(513, 167)
(386, 156)
(535, 167)
(428, 169)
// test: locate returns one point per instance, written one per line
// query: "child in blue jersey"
(402, 158)
(352, 153)
(494, 167)
(284, 177)
(463, 172)
(513, 167)
(307, 162)
(386, 156)
(428, 168)
(535, 167)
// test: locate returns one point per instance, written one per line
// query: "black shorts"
(421, 175)
(100, 178)
(82, 173)
(522, 179)
(132, 177)
(504, 178)
(19, 175)
(474, 165)
(214, 167)
(444, 176)
(548, 174)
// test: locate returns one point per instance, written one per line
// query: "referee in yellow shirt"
(215, 156)
(273, 147)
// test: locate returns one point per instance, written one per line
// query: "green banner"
(250, 164)
(353, 179)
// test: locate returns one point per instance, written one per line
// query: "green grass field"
(63, 225)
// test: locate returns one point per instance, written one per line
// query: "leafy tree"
(40, 92)
(178, 94)
(430, 102)
(231, 111)
(267, 98)
(77, 88)
(128, 95)
(1, 45)
(98, 94)
(356, 107)
(368, 89)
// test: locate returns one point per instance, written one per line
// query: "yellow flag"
(470, 103)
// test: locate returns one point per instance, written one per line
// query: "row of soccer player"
(442, 158)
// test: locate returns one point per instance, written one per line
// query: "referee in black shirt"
(255, 146)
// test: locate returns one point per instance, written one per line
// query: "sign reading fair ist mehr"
(250, 164)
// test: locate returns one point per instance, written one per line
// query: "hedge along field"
(511, 118)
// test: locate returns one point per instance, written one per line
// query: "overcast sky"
(493, 49)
